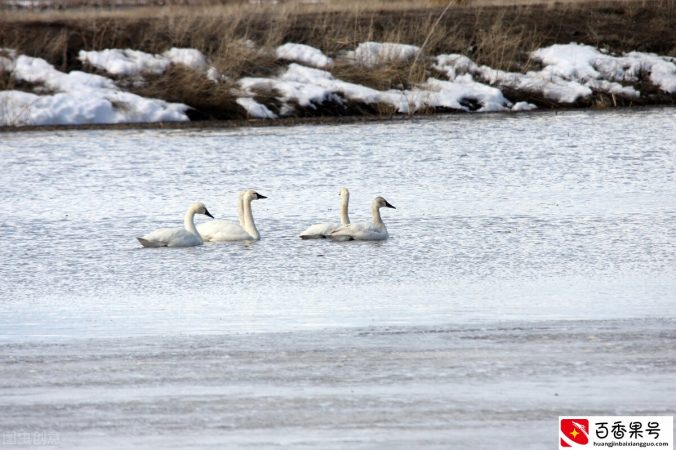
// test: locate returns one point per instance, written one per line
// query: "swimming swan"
(375, 231)
(225, 231)
(208, 229)
(187, 236)
(322, 230)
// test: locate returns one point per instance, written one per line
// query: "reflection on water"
(531, 216)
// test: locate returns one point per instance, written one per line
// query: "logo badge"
(574, 432)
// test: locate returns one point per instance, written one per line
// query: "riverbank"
(240, 61)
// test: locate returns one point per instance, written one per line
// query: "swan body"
(225, 231)
(375, 231)
(188, 236)
(323, 230)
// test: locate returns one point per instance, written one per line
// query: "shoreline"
(224, 66)
(301, 121)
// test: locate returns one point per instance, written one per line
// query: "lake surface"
(515, 217)
(530, 273)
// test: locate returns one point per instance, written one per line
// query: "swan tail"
(147, 243)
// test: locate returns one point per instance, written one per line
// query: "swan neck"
(249, 225)
(375, 213)
(344, 218)
(240, 209)
(189, 222)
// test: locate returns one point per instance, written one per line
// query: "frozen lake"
(515, 238)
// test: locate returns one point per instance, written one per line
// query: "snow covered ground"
(569, 73)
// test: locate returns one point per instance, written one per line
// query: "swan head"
(250, 195)
(380, 202)
(199, 208)
(344, 193)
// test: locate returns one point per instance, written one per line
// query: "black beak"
(388, 205)
(207, 213)
(261, 196)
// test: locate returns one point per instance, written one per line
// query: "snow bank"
(303, 54)
(571, 72)
(584, 63)
(129, 62)
(77, 98)
(308, 87)
(371, 54)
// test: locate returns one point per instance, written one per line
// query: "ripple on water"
(571, 212)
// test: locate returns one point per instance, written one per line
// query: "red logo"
(574, 432)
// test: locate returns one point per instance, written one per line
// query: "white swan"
(209, 229)
(375, 231)
(188, 236)
(322, 230)
(225, 231)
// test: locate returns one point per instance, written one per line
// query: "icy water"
(527, 252)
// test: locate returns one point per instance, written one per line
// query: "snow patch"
(310, 87)
(584, 63)
(523, 106)
(127, 62)
(371, 54)
(570, 72)
(255, 109)
(303, 54)
(78, 98)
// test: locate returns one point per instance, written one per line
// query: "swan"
(375, 231)
(188, 236)
(322, 230)
(235, 231)
(225, 231)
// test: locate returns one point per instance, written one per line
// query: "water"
(517, 217)
(530, 274)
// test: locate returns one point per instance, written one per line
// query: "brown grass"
(499, 36)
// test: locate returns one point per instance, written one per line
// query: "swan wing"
(222, 231)
(359, 232)
(170, 237)
(146, 243)
(318, 231)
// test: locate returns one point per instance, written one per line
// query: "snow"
(303, 54)
(127, 62)
(311, 87)
(583, 62)
(371, 54)
(662, 69)
(124, 62)
(569, 73)
(255, 109)
(456, 94)
(188, 57)
(77, 98)
(523, 106)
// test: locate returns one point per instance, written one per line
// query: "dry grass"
(209, 100)
(498, 36)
